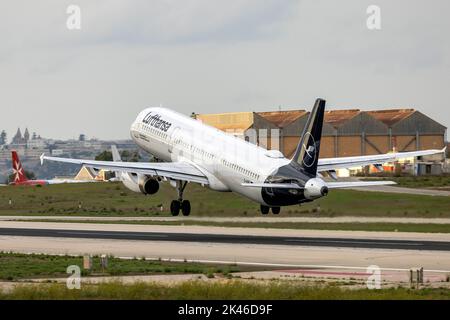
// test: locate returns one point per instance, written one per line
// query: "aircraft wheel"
(276, 210)
(265, 209)
(186, 207)
(175, 207)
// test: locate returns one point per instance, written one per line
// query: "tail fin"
(307, 153)
(19, 173)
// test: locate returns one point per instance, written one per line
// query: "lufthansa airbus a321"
(196, 152)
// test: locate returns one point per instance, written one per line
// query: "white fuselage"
(227, 161)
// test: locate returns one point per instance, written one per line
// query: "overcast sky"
(215, 56)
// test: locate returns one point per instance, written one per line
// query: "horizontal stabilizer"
(337, 185)
(327, 164)
(330, 185)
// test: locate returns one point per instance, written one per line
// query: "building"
(18, 139)
(345, 133)
(89, 174)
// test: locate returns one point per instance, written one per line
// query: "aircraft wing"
(173, 170)
(330, 185)
(349, 162)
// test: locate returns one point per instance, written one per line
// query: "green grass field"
(232, 289)
(16, 266)
(112, 199)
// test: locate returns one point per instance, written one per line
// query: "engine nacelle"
(148, 185)
(315, 188)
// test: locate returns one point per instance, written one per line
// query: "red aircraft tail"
(19, 174)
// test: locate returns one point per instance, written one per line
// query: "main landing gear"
(265, 210)
(180, 204)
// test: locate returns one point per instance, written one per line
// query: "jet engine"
(148, 185)
(315, 188)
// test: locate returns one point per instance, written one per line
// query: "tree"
(127, 156)
(104, 156)
(3, 138)
(130, 156)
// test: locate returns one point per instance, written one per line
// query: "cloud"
(140, 22)
(214, 56)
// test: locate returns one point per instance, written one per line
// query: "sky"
(209, 56)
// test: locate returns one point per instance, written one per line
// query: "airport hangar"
(350, 132)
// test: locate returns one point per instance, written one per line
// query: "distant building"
(26, 135)
(88, 174)
(27, 141)
(18, 139)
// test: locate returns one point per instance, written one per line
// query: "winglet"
(42, 158)
(115, 154)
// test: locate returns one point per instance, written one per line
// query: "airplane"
(198, 153)
(20, 178)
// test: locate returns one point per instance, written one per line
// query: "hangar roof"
(282, 118)
(391, 116)
(339, 117)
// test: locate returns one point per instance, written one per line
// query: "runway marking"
(278, 264)
(112, 234)
(355, 242)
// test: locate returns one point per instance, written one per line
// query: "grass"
(113, 199)
(343, 226)
(15, 266)
(233, 289)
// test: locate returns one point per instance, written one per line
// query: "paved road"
(231, 239)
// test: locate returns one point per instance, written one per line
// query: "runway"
(274, 248)
(231, 239)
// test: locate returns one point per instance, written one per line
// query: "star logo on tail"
(309, 150)
(18, 171)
